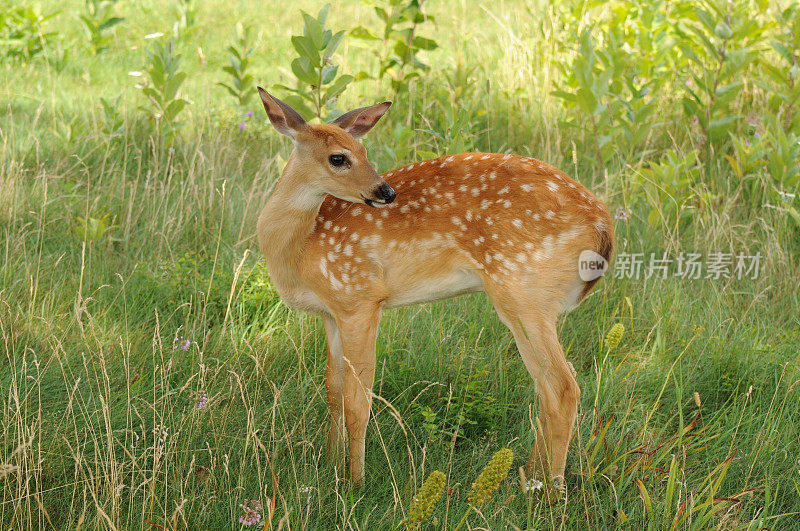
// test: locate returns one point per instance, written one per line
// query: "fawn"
(340, 243)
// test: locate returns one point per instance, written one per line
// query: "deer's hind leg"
(531, 316)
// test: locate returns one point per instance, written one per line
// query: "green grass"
(98, 426)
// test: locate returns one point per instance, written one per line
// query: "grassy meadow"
(150, 377)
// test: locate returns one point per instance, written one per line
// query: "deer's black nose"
(385, 193)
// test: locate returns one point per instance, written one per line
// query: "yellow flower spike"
(489, 480)
(614, 336)
(423, 503)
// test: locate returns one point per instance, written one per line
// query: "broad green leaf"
(306, 49)
(330, 49)
(301, 67)
(328, 73)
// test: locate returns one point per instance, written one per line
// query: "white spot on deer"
(427, 209)
(335, 284)
(517, 223)
(520, 257)
(348, 250)
(390, 174)
(404, 209)
(354, 237)
(468, 215)
(493, 175)
(495, 237)
(462, 188)
(384, 213)
(451, 158)
(379, 223)
(527, 187)
(488, 258)
(323, 267)
(331, 240)
(552, 186)
(485, 157)
(368, 216)
(600, 225)
(327, 225)
(547, 245)
(468, 157)
(549, 214)
(338, 248)
(356, 211)
(571, 185)
(536, 217)
(507, 203)
(411, 167)
(334, 202)
(476, 241)
(506, 156)
(331, 256)
(503, 190)
(528, 246)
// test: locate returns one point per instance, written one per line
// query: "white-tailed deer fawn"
(510, 226)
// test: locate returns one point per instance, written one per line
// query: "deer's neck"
(286, 222)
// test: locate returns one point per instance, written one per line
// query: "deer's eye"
(337, 160)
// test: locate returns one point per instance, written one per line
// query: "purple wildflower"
(242, 126)
(252, 512)
(249, 113)
(185, 344)
(623, 213)
(202, 400)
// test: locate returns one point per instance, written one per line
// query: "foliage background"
(135, 159)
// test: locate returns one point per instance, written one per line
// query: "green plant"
(163, 82)
(21, 34)
(782, 80)
(241, 85)
(318, 84)
(609, 92)
(719, 39)
(668, 186)
(93, 230)
(185, 13)
(397, 45)
(425, 500)
(457, 132)
(98, 21)
(111, 121)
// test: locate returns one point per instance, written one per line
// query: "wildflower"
(489, 480)
(425, 500)
(305, 490)
(614, 336)
(252, 512)
(533, 484)
(185, 344)
(202, 400)
(623, 213)
(249, 113)
(242, 126)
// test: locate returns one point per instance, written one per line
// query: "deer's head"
(329, 156)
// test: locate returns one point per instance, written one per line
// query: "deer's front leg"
(358, 330)
(334, 385)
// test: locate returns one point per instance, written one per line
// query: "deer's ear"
(359, 121)
(284, 119)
